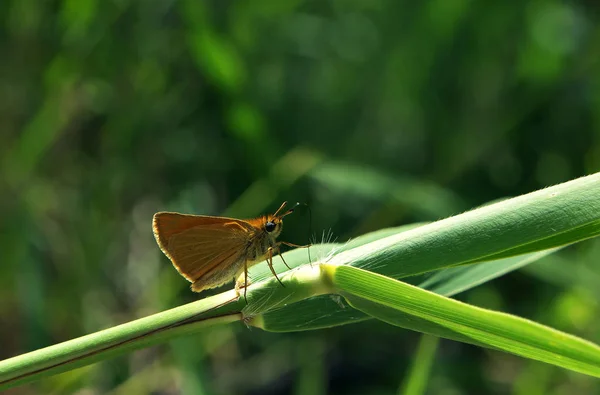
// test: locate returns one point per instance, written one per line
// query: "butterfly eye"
(270, 226)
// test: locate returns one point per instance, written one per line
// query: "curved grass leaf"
(549, 218)
(454, 280)
(328, 311)
(413, 308)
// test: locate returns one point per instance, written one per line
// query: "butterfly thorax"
(266, 229)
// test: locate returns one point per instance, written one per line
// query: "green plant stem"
(418, 375)
(120, 339)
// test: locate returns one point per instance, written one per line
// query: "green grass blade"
(226, 307)
(549, 218)
(454, 280)
(413, 308)
(157, 328)
(561, 272)
(418, 376)
(324, 311)
(579, 234)
(425, 198)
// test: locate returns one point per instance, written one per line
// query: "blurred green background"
(377, 113)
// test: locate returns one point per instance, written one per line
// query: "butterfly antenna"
(291, 210)
(309, 230)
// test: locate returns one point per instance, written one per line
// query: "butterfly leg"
(270, 263)
(281, 256)
(242, 280)
(295, 245)
(245, 279)
(236, 224)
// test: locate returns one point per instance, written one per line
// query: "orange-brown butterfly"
(210, 251)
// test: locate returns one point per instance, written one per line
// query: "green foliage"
(376, 113)
(310, 297)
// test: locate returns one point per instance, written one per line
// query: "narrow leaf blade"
(413, 308)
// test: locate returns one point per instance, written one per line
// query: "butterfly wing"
(198, 245)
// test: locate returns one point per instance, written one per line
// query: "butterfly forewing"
(198, 245)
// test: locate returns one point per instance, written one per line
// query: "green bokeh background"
(376, 113)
